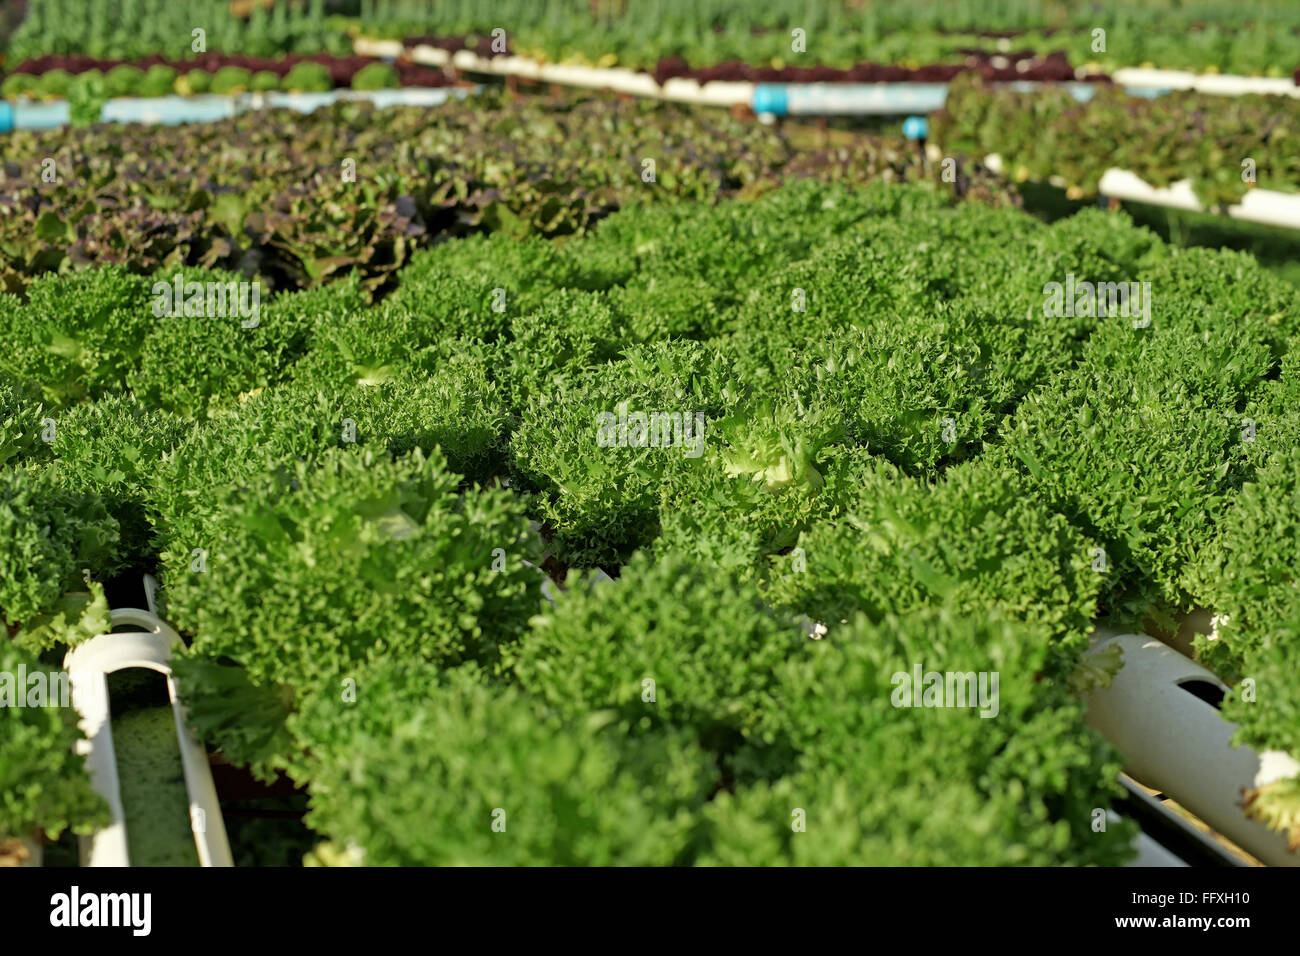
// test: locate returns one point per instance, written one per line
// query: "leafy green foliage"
(1247, 574)
(247, 720)
(125, 29)
(48, 535)
(44, 786)
(376, 76)
(867, 766)
(921, 460)
(1271, 421)
(231, 79)
(312, 570)
(1046, 133)
(599, 499)
(188, 361)
(427, 769)
(307, 78)
(77, 336)
(1252, 37)
(1162, 401)
(453, 408)
(20, 425)
(112, 450)
(973, 541)
(370, 347)
(732, 522)
(669, 644)
(161, 197)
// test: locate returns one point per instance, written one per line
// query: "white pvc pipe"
(88, 665)
(618, 79)
(1176, 743)
(390, 49)
(428, 55)
(1258, 205)
(1264, 206)
(682, 89)
(1215, 83)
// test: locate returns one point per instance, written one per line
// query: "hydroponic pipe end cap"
(916, 127)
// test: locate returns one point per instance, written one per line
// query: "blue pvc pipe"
(169, 110)
(411, 96)
(794, 99)
(302, 102)
(824, 99)
(173, 110)
(25, 114)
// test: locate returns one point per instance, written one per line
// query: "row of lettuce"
(227, 79)
(1257, 37)
(351, 188)
(299, 200)
(901, 450)
(1226, 146)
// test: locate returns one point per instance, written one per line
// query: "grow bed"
(1226, 147)
(1233, 38)
(1263, 206)
(422, 175)
(53, 77)
(990, 66)
(899, 445)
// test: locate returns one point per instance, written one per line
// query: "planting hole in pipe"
(151, 776)
(1204, 690)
